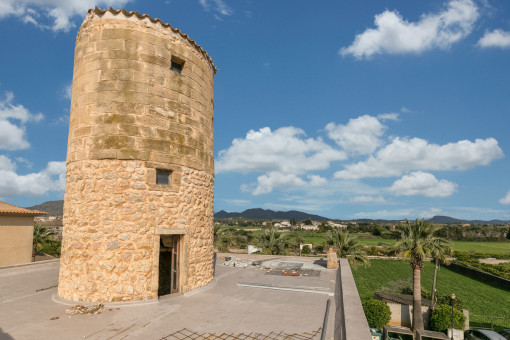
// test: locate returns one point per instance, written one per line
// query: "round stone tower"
(138, 209)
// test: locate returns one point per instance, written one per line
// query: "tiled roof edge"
(19, 212)
(129, 14)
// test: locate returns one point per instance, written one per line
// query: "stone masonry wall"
(130, 116)
(111, 219)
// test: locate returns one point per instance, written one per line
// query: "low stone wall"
(350, 320)
(477, 274)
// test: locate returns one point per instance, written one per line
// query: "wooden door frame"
(161, 232)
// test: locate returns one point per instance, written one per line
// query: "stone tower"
(138, 209)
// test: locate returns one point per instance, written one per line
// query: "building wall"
(130, 115)
(402, 315)
(16, 235)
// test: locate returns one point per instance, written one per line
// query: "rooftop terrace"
(240, 302)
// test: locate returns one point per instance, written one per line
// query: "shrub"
(306, 250)
(377, 312)
(441, 318)
(51, 248)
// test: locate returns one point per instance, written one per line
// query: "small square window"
(177, 65)
(163, 177)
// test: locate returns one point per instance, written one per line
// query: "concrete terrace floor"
(29, 306)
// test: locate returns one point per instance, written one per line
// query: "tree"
(347, 247)
(323, 227)
(272, 242)
(41, 237)
(308, 221)
(439, 255)
(416, 242)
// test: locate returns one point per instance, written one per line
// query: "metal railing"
(494, 322)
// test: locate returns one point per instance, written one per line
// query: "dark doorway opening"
(168, 265)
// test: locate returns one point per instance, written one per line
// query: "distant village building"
(138, 207)
(337, 225)
(16, 234)
(282, 224)
(309, 227)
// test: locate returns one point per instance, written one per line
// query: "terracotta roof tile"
(8, 209)
(166, 25)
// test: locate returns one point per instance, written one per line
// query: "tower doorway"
(168, 265)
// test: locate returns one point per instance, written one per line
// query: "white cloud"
(367, 199)
(496, 38)
(12, 135)
(395, 35)
(52, 178)
(68, 91)
(218, 5)
(506, 199)
(60, 12)
(404, 154)
(235, 201)
(284, 150)
(283, 155)
(388, 116)
(359, 135)
(267, 182)
(422, 183)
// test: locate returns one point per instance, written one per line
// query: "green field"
(465, 246)
(483, 247)
(478, 298)
(369, 240)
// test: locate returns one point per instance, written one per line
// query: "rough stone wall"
(130, 115)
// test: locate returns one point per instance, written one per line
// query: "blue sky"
(373, 109)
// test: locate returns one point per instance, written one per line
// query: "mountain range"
(56, 208)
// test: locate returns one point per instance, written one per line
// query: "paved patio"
(239, 302)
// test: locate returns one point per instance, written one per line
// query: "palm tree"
(347, 247)
(416, 243)
(41, 236)
(272, 241)
(439, 255)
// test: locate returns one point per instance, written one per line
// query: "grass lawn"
(478, 298)
(483, 247)
(466, 246)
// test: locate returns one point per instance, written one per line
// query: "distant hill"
(450, 220)
(266, 214)
(445, 220)
(56, 208)
(53, 208)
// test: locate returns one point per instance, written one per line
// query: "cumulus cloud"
(368, 199)
(359, 135)
(496, 38)
(59, 12)
(404, 154)
(218, 6)
(284, 150)
(266, 183)
(506, 199)
(421, 183)
(283, 155)
(12, 123)
(395, 35)
(52, 178)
